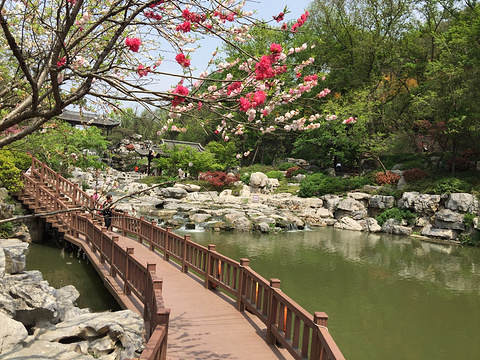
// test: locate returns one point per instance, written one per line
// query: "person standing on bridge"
(107, 211)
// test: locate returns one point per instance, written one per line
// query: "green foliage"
(470, 239)
(9, 173)
(319, 184)
(6, 230)
(285, 166)
(451, 185)
(224, 153)
(292, 171)
(468, 219)
(275, 175)
(397, 214)
(245, 178)
(257, 168)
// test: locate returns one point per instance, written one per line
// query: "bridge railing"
(303, 335)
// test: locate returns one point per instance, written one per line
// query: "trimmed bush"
(275, 175)
(290, 171)
(414, 174)
(389, 178)
(218, 179)
(451, 185)
(319, 184)
(397, 214)
(285, 166)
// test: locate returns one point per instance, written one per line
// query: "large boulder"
(392, 226)
(352, 208)
(420, 203)
(172, 192)
(15, 254)
(12, 333)
(347, 223)
(463, 202)
(444, 234)
(382, 202)
(331, 202)
(188, 187)
(258, 180)
(448, 219)
(370, 225)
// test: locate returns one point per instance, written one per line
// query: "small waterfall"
(291, 227)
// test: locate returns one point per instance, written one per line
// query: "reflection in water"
(388, 297)
(60, 268)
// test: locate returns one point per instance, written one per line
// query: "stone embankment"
(256, 208)
(38, 321)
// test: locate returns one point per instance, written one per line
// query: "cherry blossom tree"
(97, 54)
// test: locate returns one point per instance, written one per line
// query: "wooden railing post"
(115, 239)
(320, 319)
(75, 193)
(104, 233)
(242, 283)
(152, 231)
(142, 220)
(211, 248)
(126, 286)
(186, 239)
(166, 255)
(273, 308)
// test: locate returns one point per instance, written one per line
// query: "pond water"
(61, 267)
(387, 297)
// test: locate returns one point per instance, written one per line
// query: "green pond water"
(388, 297)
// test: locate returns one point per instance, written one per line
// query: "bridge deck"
(201, 320)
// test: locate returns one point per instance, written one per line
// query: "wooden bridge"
(193, 299)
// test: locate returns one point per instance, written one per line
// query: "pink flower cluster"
(180, 90)
(279, 17)
(223, 16)
(275, 48)
(185, 27)
(350, 120)
(133, 43)
(62, 61)
(234, 87)
(252, 100)
(157, 4)
(182, 60)
(193, 17)
(323, 93)
(143, 71)
(152, 15)
(300, 21)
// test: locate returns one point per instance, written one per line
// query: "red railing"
(303, 335)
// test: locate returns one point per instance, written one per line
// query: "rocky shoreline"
(256, 208)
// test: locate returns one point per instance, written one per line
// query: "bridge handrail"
(287, 322)
(300, 333)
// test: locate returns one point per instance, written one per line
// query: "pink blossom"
(62, 61)
(279, 17)
(185, 27)
(275, 48)
(182, 60)
(180, 90)
(143, 71)
(133, 43)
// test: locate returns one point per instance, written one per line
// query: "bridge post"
(166, 256)
(242, 283)
(209, 269)
(152, 232)
(272, 309)
(104, 232)
(320, 319)
(186, 239)
(115, 239)
(142, 221)
(126, 286)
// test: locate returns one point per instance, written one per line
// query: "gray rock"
(448, 219)
(439, 233)
(188, 187)
(263, 227)
(299, 177)
(258, 180)
(347, 223)
(370, 225)
(12, 334)
(172, 192)
(15, 255)
(392, 226)
(200, 218)
(359, 196)
(382, 201)
(330, 202)
(463, 202)
(323, 213)
(421, 203)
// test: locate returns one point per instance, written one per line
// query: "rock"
(272, 184)
(202, 197)
(172, 192)
(239, 221)
(15, 255)
(439, 233)
(313, 203)
(421, 203)
(351, 208)
(298, 162)
(258, 180)
(392, 226)
(45, 350)
(263, 227)
(370, 225)
(12, 333)
(463, 202)
(323, 213)
(200, 218)
(359, 196)
(298, 177)
(448, 219)
(124, 326)
(347, 223)
(188, 187)
(67, 297)
(382, 202)
(330, 202)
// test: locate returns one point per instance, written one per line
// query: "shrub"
(275, 175)
(470, 240)
(245, 178)
(6, 230)
(218, 179)
(397, 214)
(298, 171)
(290, 171)
(319, 184)
(9, 173)
(451, 185)
(386, 178)
(468, 219)
(414, 174)
(285, 166)
(461, 164)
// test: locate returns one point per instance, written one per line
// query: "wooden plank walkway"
(201, 320)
